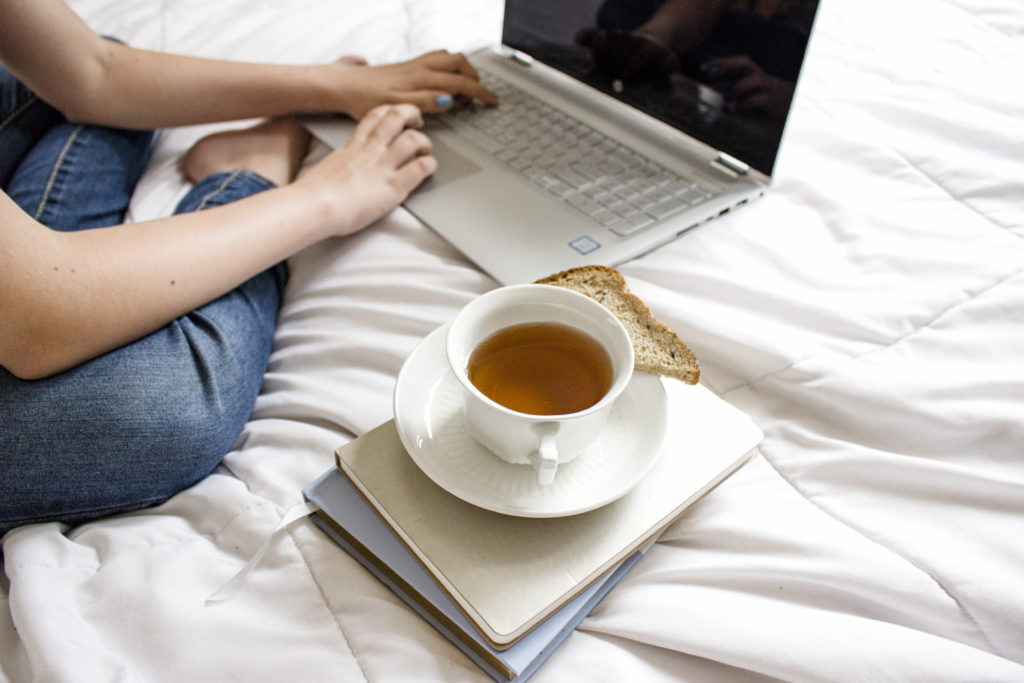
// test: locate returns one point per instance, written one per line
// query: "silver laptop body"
(519, 220)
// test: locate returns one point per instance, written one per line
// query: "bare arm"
(66, 297)
(89, 79)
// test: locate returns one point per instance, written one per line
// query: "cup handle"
(545, 460)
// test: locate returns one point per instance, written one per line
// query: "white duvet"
(868, 313)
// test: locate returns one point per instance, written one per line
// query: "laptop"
(640, 140)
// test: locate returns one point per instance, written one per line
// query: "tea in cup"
(540, 367)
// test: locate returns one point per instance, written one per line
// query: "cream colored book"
(508, 574)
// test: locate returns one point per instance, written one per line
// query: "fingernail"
(444, 101)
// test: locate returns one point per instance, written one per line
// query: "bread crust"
(657, 350)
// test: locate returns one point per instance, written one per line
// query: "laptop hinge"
(521, 58)
(731, 164)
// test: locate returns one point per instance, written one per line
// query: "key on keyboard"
(610, 184)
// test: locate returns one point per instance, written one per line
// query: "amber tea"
(541, 368)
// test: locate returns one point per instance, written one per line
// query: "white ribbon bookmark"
(233, 584)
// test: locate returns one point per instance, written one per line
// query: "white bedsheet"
(868, 314)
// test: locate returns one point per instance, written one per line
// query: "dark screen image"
(722, 71)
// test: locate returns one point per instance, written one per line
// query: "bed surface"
(868, 314)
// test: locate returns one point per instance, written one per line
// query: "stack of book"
(508, 590)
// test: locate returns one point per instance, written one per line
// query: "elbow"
(80, 105)
(33, 369)
(28, 373)
(28, 357)
(28, 367)
(85, 97)
(37, 351)
(77, 113)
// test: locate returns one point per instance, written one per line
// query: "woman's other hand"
(431, 82)
(374, 171)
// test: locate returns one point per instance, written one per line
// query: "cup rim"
(610, 396)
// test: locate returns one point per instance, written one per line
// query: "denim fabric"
(23, 120)
(135, 426)
(91, 182)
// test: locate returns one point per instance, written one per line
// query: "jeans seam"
(220, 188)
(56, 169)
(17, 112)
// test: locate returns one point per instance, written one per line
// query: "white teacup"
(541, 440)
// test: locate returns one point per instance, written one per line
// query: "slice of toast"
(656, 349)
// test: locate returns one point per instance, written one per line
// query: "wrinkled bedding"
(868, 314)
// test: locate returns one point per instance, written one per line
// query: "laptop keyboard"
(610, 184)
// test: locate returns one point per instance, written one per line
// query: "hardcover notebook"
(507, 577)
(623, 161)
(370, 541)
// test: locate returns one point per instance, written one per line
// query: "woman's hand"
(430, 82)
(374, 171)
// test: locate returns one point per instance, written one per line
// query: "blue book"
(347, 518)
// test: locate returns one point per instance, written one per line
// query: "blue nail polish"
(444, 101)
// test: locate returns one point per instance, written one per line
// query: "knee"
(196, 386)
(75, 451)
(188, 445)
(189, 435)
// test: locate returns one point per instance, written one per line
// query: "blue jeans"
(133, 427)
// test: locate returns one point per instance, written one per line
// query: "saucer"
(428, 416)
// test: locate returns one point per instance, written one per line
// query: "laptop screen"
(721, 71)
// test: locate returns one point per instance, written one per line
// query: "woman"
(131, 354)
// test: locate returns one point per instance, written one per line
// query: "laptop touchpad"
(450, 166)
